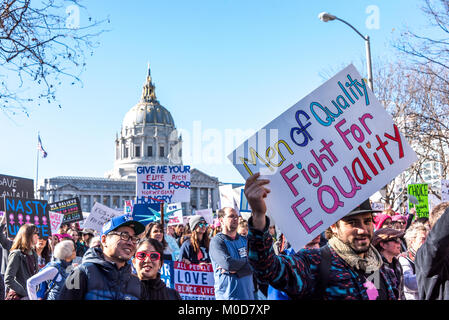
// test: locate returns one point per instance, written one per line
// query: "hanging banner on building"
(421, 192)
(163, 184)
(18, 187)
(19, 211)
(444, 190)
(324, 156)
(56, 220)
(99, 215)
(207, 214)
(71, 208)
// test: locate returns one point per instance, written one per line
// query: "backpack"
(46, 286)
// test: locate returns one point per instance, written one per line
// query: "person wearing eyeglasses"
(22, 262)
(228, 250)
(388, 242)
(147, 262)
(196, 248)
(105, 273)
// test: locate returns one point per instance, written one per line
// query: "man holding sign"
(348, 268)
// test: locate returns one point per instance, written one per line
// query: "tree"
(42, 44)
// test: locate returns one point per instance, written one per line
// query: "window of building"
(149, 151)
(161, 151)
(137, 151)
(126, 152)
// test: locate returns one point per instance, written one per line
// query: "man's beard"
(355, 249)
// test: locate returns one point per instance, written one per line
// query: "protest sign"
(55, 221)
(128, 208)
(324, 156)
(146, 213)
(444, 190)
(207, 214)
(228, 197)
(194, 281)
(174, 212)
(421, 192)
(99, 215)
(18, 187)
(19, 211)
(169, 184)
(378, 206)
(167, 273)
(71, 208)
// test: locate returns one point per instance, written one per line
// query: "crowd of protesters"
(367, 255)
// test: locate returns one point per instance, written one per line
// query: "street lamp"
(325, 17)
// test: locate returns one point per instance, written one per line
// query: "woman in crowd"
(80, 247)
(382, 221)
(242, 229)
(147, 262)
(196, 249)
(22, 262)
(155, 230)
(388, 242)
(54, 273)
(43, 251)
(415, 236)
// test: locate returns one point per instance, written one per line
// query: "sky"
(223, 68)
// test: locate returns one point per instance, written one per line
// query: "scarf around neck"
(372, 261)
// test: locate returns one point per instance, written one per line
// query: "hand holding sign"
(255, 192)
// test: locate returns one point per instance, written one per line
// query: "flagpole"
(37, 168)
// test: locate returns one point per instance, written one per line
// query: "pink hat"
(216, 223)
(398, 217)
(380, 219)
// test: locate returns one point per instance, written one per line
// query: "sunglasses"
(153, 255)
(202, 224)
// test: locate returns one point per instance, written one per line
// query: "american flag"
(40, 148)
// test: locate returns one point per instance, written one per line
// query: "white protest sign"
(128, 207)
(194, 281)
(444, 190)
(174, 212)
(169, 184)
(324, 156)
(228, 197)
(55, 221)
(99, 215)
(207, 214)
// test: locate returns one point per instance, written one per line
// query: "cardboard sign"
(444, 190)
(324, 156)
(421, 192)
(159, 184)
(20, 211)
(56, 219)
(207, 214)
(11, 186)
(99, 215)
(71, 208)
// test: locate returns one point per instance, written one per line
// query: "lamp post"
(325, 17)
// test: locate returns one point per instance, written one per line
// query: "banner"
(444, 190)
(157, 184)
(55, 221)
(11, 186)
(99, 215)
(19, 211)
(419, 191)
(324, 156)
(70, 208)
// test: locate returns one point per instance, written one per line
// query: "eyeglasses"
(202, 224)
(125, 236)
(153, 255)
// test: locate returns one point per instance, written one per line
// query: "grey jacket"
(5, 244)
(17, 273)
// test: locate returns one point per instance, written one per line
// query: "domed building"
(148, 136)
